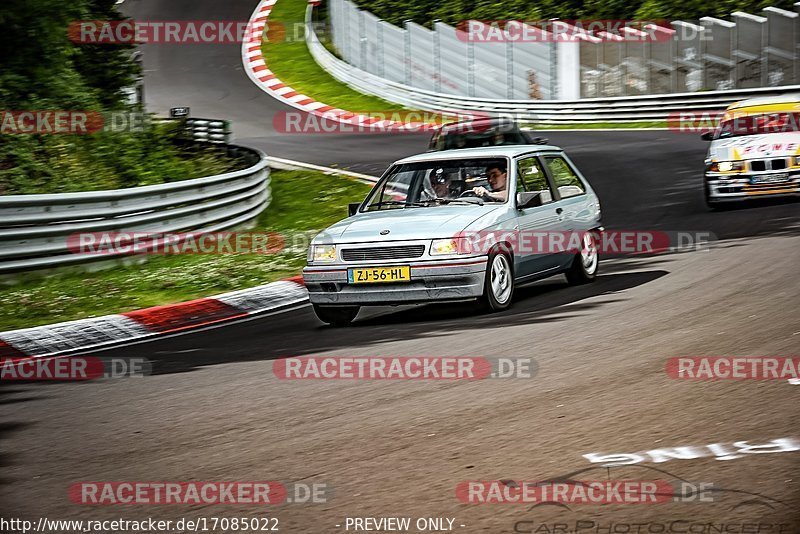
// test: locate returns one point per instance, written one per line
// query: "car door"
(535, 224)
(572, 201)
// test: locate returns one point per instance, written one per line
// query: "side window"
(531, 178)
(564, 177)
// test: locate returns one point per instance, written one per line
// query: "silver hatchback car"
(457, 225)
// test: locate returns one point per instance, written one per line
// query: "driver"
(498, 180)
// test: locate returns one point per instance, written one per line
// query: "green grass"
(293, 64)
(302, 202)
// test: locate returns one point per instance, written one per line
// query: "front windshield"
(757, 124)
(443, 182)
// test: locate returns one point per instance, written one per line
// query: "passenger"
(437, 186)
(441, 185)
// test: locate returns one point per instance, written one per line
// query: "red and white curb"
(116, 329)
(256, 68)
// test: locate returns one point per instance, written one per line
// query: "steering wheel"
(469, 193)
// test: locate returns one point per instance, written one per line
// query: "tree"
(41, 68)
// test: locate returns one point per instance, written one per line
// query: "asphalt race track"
(213, 410)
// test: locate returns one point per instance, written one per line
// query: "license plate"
(374, 275)
(771, 178)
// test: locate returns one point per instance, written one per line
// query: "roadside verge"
(110, 330)
(169, 293)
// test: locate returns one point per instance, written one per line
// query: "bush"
(61, 164)
(44, 70)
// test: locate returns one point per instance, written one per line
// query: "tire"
(336, 315)
(586, 262)
(498, 285)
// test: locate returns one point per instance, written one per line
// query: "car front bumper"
(440, 280)
(745, 186)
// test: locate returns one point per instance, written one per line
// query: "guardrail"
(34, 229)
(613, 109)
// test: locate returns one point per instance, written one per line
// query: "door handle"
(559, 210)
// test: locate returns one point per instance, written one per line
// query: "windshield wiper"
(470, 200)
(397, 203)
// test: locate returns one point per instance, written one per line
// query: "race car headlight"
(323, 253)
(443, 247)
(727, 166)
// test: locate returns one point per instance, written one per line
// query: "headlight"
(727, 166)
(323, 253)
(442, 247)
(795, 161)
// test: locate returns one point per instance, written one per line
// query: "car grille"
(383, 253)
(760, 165)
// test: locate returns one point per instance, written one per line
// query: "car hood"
(755, 146)
(405, 224)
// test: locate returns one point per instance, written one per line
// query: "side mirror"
(529, 200)
(352, 208)
(707, 136)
